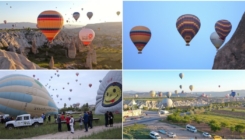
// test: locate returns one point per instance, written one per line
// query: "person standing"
(89, 125)
(72, 124)
(106, 119)
(59, 123)
(111, 119)
(91, 119)
(85, 121)
(49, 118)
(81, 121)
(68, 122)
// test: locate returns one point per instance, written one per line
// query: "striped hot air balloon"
(223, 28)
(76, 15)
(140, 36)
(50, 23)
(188, 25)
(89, 15)
(21, 94)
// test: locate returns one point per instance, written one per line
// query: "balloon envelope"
(191, 87)
(181, 75)
(188, 25)
(76, 15)
(223, 28)
(140, 36)
(216, 40)
(50, 23)
(89, 15)
(86, 36)
(118, 13)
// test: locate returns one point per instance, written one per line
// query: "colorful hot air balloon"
(216, 40)
(191, 87)
(76, 15)
(223, 28)
(118, 13)
(89, 15)
(181, 75)
(50, 23)
(188, 25)
(140, 36)
(86, 36)
(90, 85)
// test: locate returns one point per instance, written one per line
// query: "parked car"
(171, 135)
(154, 135)
(162, 131)
(23, 121)
(205, 134)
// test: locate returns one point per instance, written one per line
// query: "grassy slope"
(137, 131)
(107, 134)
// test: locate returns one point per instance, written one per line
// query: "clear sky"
(203, 81)
(80, 93)
(166, 48)
(28, 11)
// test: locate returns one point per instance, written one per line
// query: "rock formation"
(232, 54)
(51, 63)
(72, 50)
(11, 60)
(34, 47)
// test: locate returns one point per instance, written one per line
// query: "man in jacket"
(59, 123)
(85, 121)
(91, 119)
(68, 122)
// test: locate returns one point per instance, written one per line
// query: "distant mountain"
(19, 25)
(213, 93)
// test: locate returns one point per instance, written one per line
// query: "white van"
(191, 128)
(154, 135)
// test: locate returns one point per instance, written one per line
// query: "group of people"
(85, 120)
(44, 118)
(109, 119)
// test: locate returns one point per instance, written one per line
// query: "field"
(137, 131)
(47, 128)
(107, 58)
(108, 134)
(159, 98)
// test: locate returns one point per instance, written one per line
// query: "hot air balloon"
(76, 80)
(21, 94)
(50, 23)
(180, 86)
(67, 21)
(70, 90)
(167, 102)
(86, 36)
(67, 83)
(136, 95)
(191, 87)
(61, 99)
(219, 86)
(216, 40)
(77, 74)
(109, 94)
(76, 15)
(188, 25)
(82, 9)
(63, 88)
(90, 85)
(5, 21)
(223, 28)
(100, 81)
(80, 84)
(118, 13)
(33, 75)
(89, 15)
(152, 93)
(168, 94)
(181, 75)
(140, 36)
(160, 94)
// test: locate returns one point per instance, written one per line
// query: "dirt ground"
(77, 134)
(180, 132)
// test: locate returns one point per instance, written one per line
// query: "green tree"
(239, 128)
(224, 124)
(215, 127)
(232, 129)
(64, 105)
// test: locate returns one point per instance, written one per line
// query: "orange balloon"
(50, 23)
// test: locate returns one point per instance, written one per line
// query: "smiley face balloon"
(109, 94)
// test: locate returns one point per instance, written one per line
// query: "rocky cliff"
(232, 54)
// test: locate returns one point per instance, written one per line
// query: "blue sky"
(28, 11)
(203, 81)
(80, 93)
(166, 48)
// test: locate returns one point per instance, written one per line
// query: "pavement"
(77, 134)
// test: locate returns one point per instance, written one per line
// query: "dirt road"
(78, 133)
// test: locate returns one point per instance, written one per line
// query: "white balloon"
(86, 36)
(215, 39)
